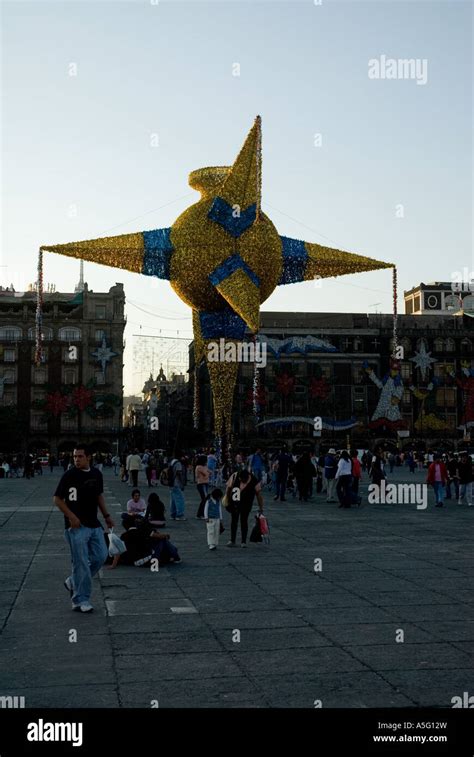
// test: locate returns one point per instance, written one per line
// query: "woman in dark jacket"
(304, 473)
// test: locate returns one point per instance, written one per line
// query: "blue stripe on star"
(223, 214)
(228, 267)
(295, 258)
(224, 323)
(157, 253)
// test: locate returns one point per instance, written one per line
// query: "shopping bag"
(256, 534)
(264, 528)
(116, 545)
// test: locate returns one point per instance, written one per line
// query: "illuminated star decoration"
(223, 257)
(423, 359)
(103, 354)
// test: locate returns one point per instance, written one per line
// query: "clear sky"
(391, 178)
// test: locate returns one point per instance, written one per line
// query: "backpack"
(168, 475)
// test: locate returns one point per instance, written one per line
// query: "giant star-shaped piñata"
(223, 257)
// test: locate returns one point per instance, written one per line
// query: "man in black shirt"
(78, 495)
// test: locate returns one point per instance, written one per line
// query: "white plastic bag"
(116, 545)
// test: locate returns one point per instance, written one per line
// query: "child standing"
(213, 516)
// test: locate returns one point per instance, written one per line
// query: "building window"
(406, 371)
(38, 422)
(10, 333)
(46, 335)
(406, 397)
(451, 302)
(446, 397)
(39, 376)
(68, 424)
(69, 334)
(100, 312)
(100, 335)
(468, 302)
(70, 355)
(99, 377)
(44, 354)
(409, 306)
(441, 370)
(466, 347)
(9, 356)
(438, 345)
(9, 377)
(69, 376)
(358, 344)
(359, 373)
(450, 345)
(417, 304)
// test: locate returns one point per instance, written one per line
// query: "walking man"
(330, 468)
(177, 482)
(134, 464)
(78, 495)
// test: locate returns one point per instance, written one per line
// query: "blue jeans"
(164, 550)
(281, 487)
(176, 502)
(454, 483)
(439, 491)
(88, 554)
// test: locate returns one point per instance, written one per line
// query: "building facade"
(76, 392)
(330, 379)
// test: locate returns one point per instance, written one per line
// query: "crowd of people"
(234, 482)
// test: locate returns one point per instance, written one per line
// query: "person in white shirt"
(344, 479)
(134, 464)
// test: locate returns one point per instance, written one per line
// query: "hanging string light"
(256, 383)
(395, 310)
(39, 311)
(196, 404)
(258, 156)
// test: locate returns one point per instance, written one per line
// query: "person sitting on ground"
(136, 506)
(144, 543)
(155, 511)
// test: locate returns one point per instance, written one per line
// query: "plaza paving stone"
(303, 635)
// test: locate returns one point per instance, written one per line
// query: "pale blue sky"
(84, 140)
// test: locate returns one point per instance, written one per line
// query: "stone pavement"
(304, 635)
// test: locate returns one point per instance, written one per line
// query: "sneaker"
(143, 561)
(440, 504)
(470, 504)
(175, 560)
(68, 585)
(211, 547)
(84, 607)
(275, 498)
(230, 544)
(243, 545)
(181, 518)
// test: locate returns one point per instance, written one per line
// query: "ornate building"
(337, 367)
(77, 390)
